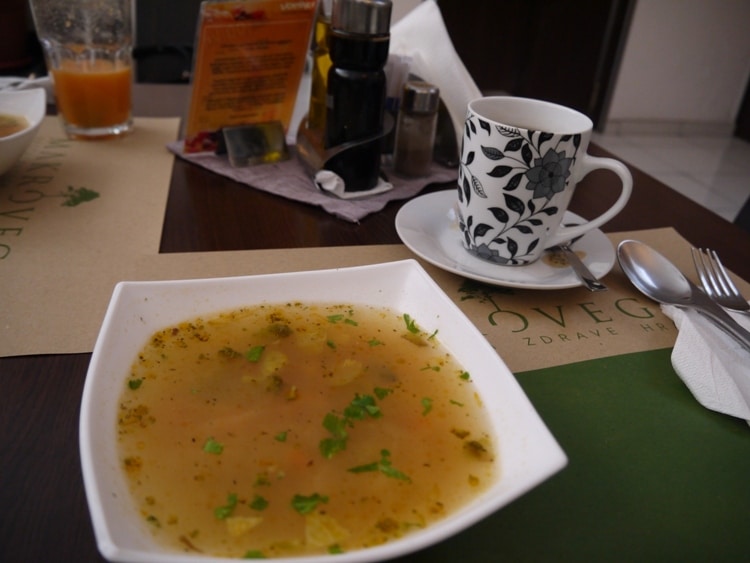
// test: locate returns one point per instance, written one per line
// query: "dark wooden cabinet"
(561, 51)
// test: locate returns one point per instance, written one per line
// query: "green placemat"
(652, 475)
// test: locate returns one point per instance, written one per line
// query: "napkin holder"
(311, 148)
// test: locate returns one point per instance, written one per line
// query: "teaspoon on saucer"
(584, 274)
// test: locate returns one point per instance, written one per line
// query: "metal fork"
(716, 282)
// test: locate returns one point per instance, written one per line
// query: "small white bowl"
(528, 453)
(31, 104)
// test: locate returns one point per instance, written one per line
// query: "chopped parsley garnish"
(229, 353)
(213, 447)
(411, 324)
(465, 376)
(306, 504)
(374, 342)
(258, 503)
(426, 405)
(281, 436)
(335, 549)
(336, 425)
(254, 353)
(134, 383)
(331, 344)
(254, 554)
(381, 392)
(384, 466)
(360, 408)
(224, 512)
(335, 318)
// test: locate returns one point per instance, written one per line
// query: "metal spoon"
(657, 278)
(581, 270)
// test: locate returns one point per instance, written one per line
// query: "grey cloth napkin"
(288, 179)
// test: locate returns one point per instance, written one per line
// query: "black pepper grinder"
(358, 45)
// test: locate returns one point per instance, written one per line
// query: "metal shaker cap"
(363, 17)
(420, 97)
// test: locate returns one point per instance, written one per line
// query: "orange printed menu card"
(248, 65)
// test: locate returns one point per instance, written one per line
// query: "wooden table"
(44, 516)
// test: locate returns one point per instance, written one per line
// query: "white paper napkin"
(422, 36)
(712, 364)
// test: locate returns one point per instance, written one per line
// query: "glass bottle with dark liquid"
(358, 45)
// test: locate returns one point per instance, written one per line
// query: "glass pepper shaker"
(415, 129)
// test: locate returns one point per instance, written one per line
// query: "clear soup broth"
(298, 429)
(10, 124)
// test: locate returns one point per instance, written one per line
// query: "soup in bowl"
(354, 412)
(21, 114)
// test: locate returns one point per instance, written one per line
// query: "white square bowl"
(31, 104)
(527, 451)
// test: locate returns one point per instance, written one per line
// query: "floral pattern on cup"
(532, 161)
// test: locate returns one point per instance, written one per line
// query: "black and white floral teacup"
(520, 162)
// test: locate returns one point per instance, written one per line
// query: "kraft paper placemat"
(73, 217)
(531, 329)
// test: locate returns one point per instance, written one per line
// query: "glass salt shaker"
(415, 129)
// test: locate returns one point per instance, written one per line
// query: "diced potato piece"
(272, 362)
(240, 525)
(345, 372)
(322, 530)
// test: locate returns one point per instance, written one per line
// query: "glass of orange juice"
(88, 50)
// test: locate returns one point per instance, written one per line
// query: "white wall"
(685, 62)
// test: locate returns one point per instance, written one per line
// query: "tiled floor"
(713, 171)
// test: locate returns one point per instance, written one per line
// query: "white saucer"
(428, 226)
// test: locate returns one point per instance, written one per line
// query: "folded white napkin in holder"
(314, 157)
(714, 367)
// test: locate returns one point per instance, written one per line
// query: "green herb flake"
(213, 447)
(153, 520)
(281, 436)
(134, 384)
(335, 549)
(374, 342)
(351, 322)
(381, 392)
(331, 344)
(384, 466)
(254, 554)
(465, 376)
(229, 353)
(361, 407)
(258, 503)
(254, 353)
(262, 480)
(411, 324)
(336, 425)
(426, 405)
(224, 512)
(306, 504)
(335, 318)
(433, 335)
(457, 403)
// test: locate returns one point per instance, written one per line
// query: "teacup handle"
(590, 163)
